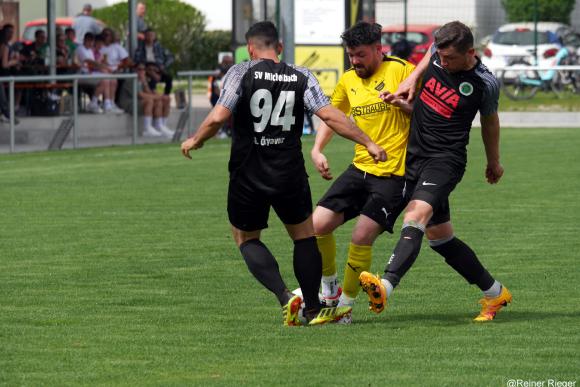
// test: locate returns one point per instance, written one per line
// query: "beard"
(362, 72)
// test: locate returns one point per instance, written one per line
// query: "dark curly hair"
(362, 33)
(454, 34)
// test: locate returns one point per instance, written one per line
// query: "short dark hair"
(362, 33)
(69, 29)
(265, 32)
(454, 34)
(37, 33)
(148, 30)
(89, 36)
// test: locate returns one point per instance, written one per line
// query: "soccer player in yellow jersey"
(373, 192)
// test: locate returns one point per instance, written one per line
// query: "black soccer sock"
(308, 271)
(405, 253)
(463, 260)
(264, 267)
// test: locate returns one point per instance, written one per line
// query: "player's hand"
(387, 96)
(406, 89)
(493, 172)
(189, 144)
(377, 153)
(321, 164)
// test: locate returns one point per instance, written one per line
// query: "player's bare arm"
(408, 87)
(490, 136)
(399, 102)
(323, 136)
(209, 128)
(343, 126)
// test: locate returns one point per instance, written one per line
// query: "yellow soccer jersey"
(385, 124)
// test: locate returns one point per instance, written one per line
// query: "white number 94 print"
(261, 107)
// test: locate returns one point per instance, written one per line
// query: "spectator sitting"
(151, 52)
(103, 87)
(154, 106)
(115, 55)
(84, 23)
(34, 53)
(70, 41)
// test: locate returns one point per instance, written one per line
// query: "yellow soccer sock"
(327, 247)
(359, 260)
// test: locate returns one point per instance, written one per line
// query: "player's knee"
(322, 222)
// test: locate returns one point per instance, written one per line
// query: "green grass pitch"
(117, 268)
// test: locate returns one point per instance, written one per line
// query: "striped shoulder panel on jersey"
(393, 59)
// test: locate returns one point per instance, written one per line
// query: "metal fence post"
(189, 102)
(75, 113)
(12, 113)
(135, 110)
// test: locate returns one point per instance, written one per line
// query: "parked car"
(32, 26)
(515, 42)
(420, 36)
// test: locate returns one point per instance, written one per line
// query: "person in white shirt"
(103, 87)
(116, 58)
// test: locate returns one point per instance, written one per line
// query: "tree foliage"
(180, 28)
(548, 10)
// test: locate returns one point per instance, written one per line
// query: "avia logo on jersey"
(440, 98)
(370, 109)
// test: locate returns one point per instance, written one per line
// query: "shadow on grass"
(455, 319)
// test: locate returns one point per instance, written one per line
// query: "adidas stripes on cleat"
(373, 287)
(330, 315)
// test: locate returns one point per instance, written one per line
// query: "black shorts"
(432, 181)
(249, 205)
(356, 192)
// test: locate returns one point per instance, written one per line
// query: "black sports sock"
(308, 271)
(463, 260)
(404, 255)
(264, 267)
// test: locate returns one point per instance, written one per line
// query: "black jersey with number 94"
(268, 100)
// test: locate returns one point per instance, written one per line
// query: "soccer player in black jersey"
(267, 99)
(455, 87)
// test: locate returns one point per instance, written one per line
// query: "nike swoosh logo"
(427, 183)
(354, 268)
(437, 64)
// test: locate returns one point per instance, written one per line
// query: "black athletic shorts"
(356, 192)
(432, 180)
(249, 205)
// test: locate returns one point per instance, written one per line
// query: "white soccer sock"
(147, 121)
(108, 103)
(494, 291)
(163, 121)
(345, 300)
(388, 286)
(329, 285)
(95, 100)
(157, 122)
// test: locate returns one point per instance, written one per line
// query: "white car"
(515, 42)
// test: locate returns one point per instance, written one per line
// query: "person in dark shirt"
(455, 86)
(267, 99)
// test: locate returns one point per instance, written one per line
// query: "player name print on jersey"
(274, 77)
(442, 99)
